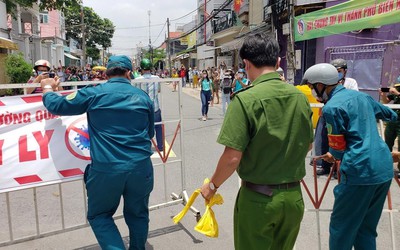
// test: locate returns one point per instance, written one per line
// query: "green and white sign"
(348, 16)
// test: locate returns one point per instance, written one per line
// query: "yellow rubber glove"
(207, 225)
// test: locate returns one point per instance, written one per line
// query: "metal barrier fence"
(61, 194)
(36, 193)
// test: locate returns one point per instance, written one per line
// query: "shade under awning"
(8, 44)
(71, 56)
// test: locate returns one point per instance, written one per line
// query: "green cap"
(119, 61)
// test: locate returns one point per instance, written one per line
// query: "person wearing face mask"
(152, 89)
(321, 133)
(240, 82)
(347, 82)
(120, 121)
(206, 94)
(42, 69)
(267, 132)
(366, 167)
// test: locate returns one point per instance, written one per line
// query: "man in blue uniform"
(366, 162)
(121, 124)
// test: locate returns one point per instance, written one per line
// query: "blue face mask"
(341, 76)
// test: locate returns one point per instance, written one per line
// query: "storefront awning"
(8, 44)
(182, 56)
(71, 56)
(232, 45)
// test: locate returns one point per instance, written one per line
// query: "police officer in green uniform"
(121, 125)
(267, 133)
(392, 129)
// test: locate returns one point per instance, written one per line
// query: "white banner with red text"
(38, 148)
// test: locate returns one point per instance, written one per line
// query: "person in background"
(341, 67)
(182, 75)
(206, 94)
(221, 69)
(152, 89)
(216, 83)
(174, 75)
(190, 77)
(366, 166)
(60, 74)
(195, 77)
(121, 125)
(136, 73)
(281, 74)
(42, 71)
(240, 81)
(266, 142)
(392, 129)
(226, 90)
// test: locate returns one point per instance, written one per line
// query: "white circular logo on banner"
(301, 27)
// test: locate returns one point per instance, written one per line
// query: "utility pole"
(150, 49)
(83, 38)
(168, 49)
(291, 55)
(205, 23)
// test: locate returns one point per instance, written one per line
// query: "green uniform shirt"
(271, 124)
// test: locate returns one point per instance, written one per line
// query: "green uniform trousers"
(267, 223)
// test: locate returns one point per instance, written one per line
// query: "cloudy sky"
(131, 19)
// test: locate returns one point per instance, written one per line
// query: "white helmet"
(43, 63)
(324, 73)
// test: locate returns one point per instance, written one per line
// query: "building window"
(44, 17)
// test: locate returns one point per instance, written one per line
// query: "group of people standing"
(267, 133)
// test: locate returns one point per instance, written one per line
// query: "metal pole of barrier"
(85, 200)
(36, 211)
(389, 198)
(9, 217)
(165, 181)
(318, 229)
(61, 206)
(382, 129)
(183, 181)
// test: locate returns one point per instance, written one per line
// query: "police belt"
(268, 189)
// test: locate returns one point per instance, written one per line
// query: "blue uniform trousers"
(104, 191)
(356, 213)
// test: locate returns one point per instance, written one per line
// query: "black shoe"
(322, 171)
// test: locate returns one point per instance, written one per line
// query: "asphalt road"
(201, 153)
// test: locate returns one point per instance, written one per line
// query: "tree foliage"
(155, 54)
(44, 4)
(17, 69)
(98, 31)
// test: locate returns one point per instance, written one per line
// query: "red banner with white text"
(38, 148)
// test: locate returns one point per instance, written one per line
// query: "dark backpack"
(226, 84)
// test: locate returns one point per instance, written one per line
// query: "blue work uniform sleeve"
(73, 104)
(382, 112)
(336, 126)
